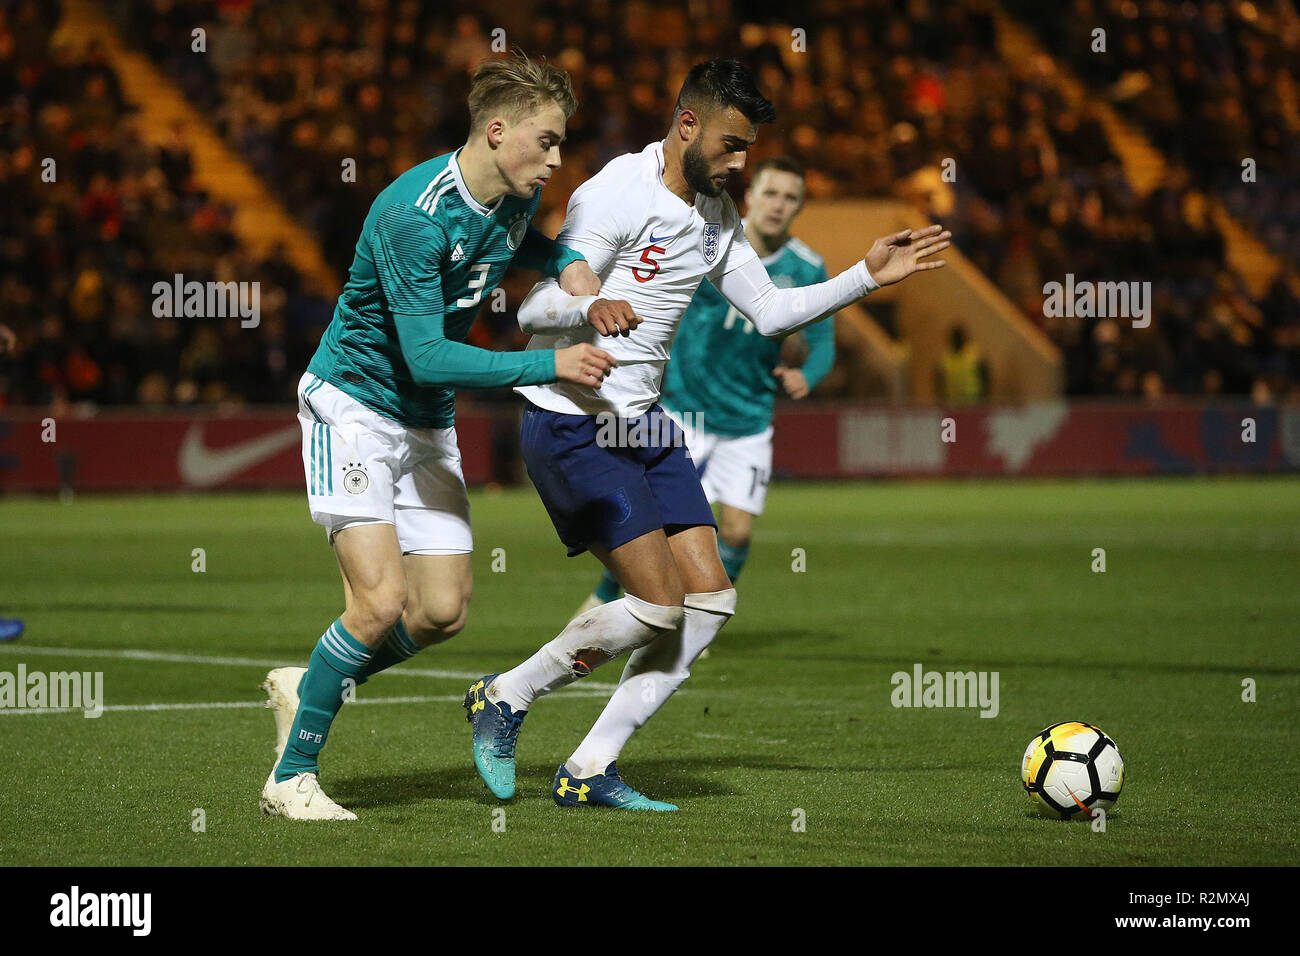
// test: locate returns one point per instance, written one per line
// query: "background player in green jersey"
(722, 379)
(377, 403)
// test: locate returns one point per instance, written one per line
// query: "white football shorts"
(733, 471)
(365, 468)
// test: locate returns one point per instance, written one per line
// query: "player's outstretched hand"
(792, 380)
(583, 364)
(577, 279)
(894, 258)
(612, 317)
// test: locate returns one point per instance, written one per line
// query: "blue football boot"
(496, 730)
(603, 790)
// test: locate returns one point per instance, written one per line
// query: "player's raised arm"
(774, 312)
(409, 247)
(893, 258)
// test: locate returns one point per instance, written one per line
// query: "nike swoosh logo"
(203, 467)
(654, 241)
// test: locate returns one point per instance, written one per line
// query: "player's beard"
(695, 170)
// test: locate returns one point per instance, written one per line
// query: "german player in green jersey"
(722, 379)
(376, 404)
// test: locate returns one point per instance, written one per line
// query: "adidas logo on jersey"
(457, 254)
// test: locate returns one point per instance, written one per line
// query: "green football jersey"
(721, 368)
(428, 254)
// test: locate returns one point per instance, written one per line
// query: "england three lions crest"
(711, 233)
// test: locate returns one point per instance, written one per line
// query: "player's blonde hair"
(516, 87)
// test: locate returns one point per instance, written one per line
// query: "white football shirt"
(652, 250)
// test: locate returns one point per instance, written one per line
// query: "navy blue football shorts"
(607, 481)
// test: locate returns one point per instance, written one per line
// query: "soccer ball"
(1072, 768)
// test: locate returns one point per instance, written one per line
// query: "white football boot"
(281, 686)
(301, 798)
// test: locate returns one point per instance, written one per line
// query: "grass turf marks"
(790, 711)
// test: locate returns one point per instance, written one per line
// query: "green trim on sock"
(403, 639)
(608, 589)
(337, 658)
(399, 647)
(733, 558)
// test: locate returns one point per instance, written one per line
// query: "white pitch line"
(234, 704)
(214, 705)
(131, 654)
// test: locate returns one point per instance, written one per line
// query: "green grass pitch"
(791, 711)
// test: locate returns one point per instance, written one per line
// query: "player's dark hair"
(782, 164)
(717, 84)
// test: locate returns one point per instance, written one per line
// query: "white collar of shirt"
(657, 150)
(465, 194)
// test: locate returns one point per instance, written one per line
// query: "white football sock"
(652, 675)
(610, 629)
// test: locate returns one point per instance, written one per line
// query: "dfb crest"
(515, 234)
(711, 231)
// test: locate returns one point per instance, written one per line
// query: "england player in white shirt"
(611, 467)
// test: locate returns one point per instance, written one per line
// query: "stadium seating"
(296, 87)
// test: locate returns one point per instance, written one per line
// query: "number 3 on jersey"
(476, 284)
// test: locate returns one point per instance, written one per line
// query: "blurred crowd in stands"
(1213, 84)
(92, 217)
(873, 97)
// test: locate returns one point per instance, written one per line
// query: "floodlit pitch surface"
(790, 721)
